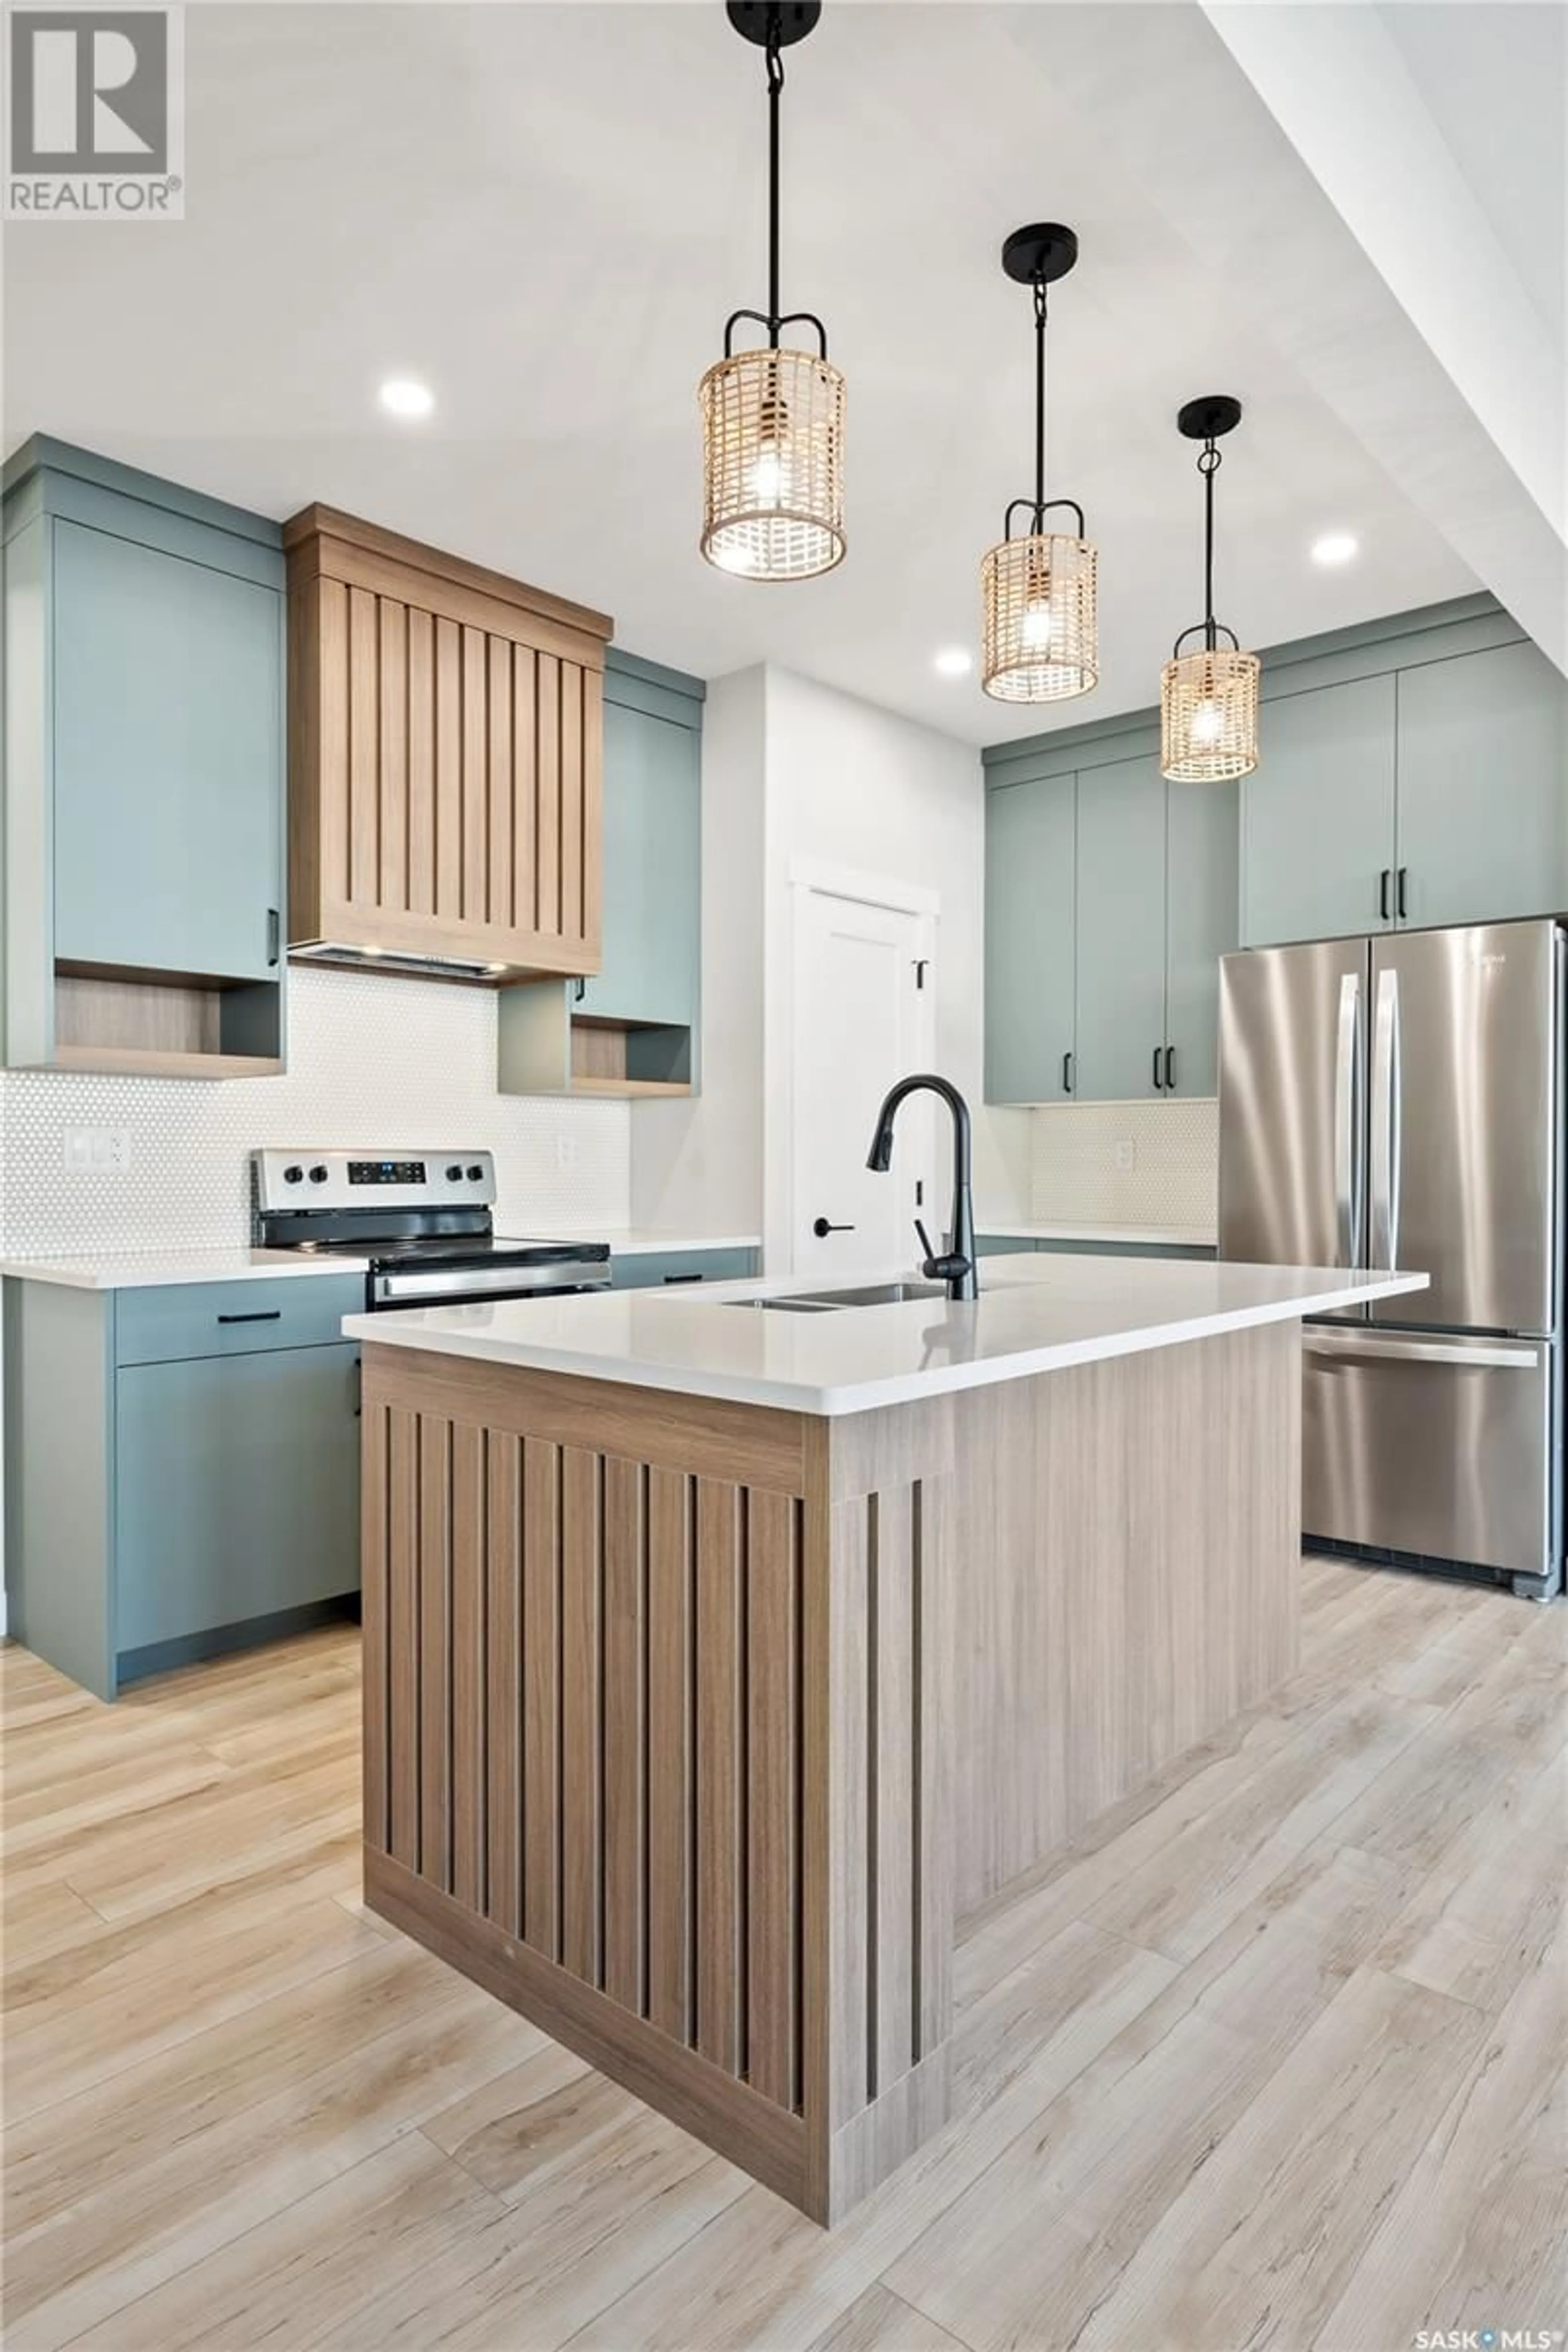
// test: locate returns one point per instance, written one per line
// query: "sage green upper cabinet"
(1030, 866)
(168, 761)
(1483, 787)
(1120, 930)
(653, 865)
(1317, 816)
(1201, 879)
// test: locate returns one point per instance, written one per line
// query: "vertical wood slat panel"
(333, 643)
(402, 1636)
(524, 783)
(848, 1895)
(393, 876)
(582, 1728)
(541, 1695)
(501, 887)
(469, 1674)
(574, 912)
(475, 785)
(421, 763)
(670, 1744)
(364, 769)
(893, 1767)
(375, 1566)
(625, 1733)
(435, 1650)
(593, 809)
(448, 796)
(933, 1845)
(503, 1679)
(772, 1910)
(547, 738)
(721, 1767)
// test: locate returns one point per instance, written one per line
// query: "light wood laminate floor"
(1271, 2056)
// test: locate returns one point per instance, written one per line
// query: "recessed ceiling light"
(953, 661)
(405, 396)
(1336, 547)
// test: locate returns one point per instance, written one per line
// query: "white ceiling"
(546, 211)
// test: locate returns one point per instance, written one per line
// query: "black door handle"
(821, 1227)
(1067, 1074)
(1170, 1069)
(1399, 902)
(1383, 880)
(274, 935)
(1158, 1080)
(264, 1315)
(684, 1278)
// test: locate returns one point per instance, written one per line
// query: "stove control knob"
(292, 1174)
(476, 1174)
(318, 1174)
(453, 1173)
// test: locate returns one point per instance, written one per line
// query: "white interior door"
(864, 1007)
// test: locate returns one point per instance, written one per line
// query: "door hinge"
(922, 966)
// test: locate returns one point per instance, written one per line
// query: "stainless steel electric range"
(425, 1221)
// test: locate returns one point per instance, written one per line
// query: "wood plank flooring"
(1272, 2055)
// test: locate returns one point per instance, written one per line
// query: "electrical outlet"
(96, 1151)
(1126, 1156)
(566, 1153)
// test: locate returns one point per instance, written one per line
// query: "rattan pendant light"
(1041, 628)
(772, 417)
(1208, 699)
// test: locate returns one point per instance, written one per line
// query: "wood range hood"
(445, 761)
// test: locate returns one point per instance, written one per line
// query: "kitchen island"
(722, 1657)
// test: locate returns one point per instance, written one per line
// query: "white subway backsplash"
(1077, 1170)
(387, 1062)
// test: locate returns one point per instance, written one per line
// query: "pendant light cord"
(1208, 467)
(1039, 405)
(776, 92)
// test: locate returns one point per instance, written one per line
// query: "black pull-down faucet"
(958, 1266)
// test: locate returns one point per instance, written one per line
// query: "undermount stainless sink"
(866, 1294)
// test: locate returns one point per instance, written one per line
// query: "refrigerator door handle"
(1492, 1355)
(1348, 1110)
(1386, 1127)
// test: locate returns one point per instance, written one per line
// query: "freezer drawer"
(1431, 1444)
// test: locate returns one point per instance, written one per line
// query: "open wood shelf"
(630, 1087)
(141, 1062)
(136, 1024)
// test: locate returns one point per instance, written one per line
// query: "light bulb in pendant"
(767, 475)
(1035, 629)
(1208, 723)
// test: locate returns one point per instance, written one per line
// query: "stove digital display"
(386, 1171)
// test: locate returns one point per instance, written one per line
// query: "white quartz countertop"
(147, 1269)
(1034, 1315)
(649, 1241)
(1146, 1237)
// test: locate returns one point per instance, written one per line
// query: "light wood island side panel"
(692, 1728)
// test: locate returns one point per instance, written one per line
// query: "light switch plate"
(96, 1151)
(1126, 1156)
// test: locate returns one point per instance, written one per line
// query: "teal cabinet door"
(1317, 822)
(168, 717)
(652, 868)
(1030, 856)
(1483, 788)
(1203, 848)
(1120, 930)
(237, 1489)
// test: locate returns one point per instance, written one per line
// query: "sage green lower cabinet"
(1031, 832)
(1319, 849)
(1483, 788)
(648, 1270)
(1120, 930)
(181, 1467)
(1063, 1245)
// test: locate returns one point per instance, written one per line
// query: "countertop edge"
(154, 1272)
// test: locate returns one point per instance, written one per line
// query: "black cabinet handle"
(1158, 1080)
(822, 1228)
(1404, 874)
(263, 1315)
(1383, 880)
(579, 992)
(1170, 1069)
(683, 1278)
(1067, 1074)
(274, 935)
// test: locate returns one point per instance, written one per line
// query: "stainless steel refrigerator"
(1398, 1102)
